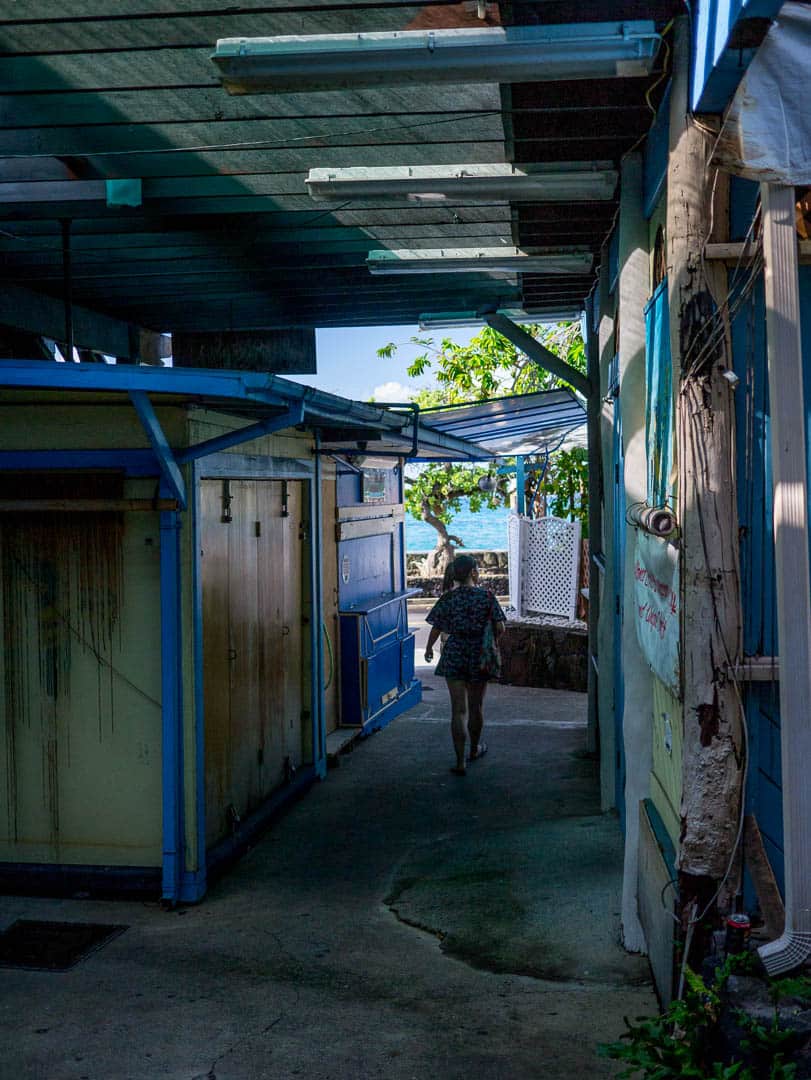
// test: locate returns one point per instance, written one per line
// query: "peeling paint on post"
(705, 432)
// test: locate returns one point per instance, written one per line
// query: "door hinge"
(304, 530)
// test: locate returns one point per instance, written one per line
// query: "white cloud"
(392, 391)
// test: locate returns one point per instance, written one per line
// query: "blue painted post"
(195, 886)
(172, 699)
(520, 483)
(317, 636)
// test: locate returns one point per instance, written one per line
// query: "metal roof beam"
(539, 354)
(160, 445)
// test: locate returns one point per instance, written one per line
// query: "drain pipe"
(790, 482)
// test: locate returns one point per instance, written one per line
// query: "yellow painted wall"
(82, 767)
(82, 750)
(668, 743)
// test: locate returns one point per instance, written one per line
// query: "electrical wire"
(266, 144)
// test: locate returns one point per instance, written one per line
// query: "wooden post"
(707, 513)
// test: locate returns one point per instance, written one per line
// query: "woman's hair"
(463, 566)
(448, 580)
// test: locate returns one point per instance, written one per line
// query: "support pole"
(67, 287)
(318, 706)
(790, 481)
(542, 356)
(171, 706)
(520, 485)
(712, 768)
(593, 412)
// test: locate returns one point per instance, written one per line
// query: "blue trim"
(407, 700)
(319, 704)
(717, 68)
(659, 830)
(172, 705)
(293, 416)
(68, 879)
(227, 851)
(657, 149)
(520, 484)
(160, 445)
(133, 462)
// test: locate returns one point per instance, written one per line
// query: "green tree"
(488, 367)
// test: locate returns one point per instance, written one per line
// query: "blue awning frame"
(520, 424)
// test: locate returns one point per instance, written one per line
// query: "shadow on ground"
(398, 922)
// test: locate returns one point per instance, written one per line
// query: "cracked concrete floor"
(496, 955)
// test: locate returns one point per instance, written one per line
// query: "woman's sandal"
(481, 750)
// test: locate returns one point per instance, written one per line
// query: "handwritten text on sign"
(656, 610)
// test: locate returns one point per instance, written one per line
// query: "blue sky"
(348, 364)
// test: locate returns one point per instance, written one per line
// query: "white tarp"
(767, 131)
(656, 610)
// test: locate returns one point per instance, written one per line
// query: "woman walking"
(464, 614)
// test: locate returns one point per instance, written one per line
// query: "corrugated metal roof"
(522, 424)
(227, 236)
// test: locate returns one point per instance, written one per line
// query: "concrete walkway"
(398, 922)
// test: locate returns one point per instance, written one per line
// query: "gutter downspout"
(790, 481)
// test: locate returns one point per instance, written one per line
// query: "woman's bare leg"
(458, 692)
(475, 705)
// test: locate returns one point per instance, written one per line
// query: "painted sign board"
(656, 607)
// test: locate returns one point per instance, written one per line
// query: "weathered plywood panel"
(252, 633)
(288, 351)
(80, 710)
(216, 664)
(668, 744)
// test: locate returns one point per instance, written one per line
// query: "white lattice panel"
(550, 566)
(515, 557)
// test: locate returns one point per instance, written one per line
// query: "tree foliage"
(488, 367)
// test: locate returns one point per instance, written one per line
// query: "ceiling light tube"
(506, 260)
(477, 55)
(453, 320)
(573, 182)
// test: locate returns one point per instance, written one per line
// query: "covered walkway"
(398, 922)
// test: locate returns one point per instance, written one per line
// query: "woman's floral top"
(463, 614)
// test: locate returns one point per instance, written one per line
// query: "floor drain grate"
(52, 946)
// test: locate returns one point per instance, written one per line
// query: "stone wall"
(489, 561)
(545, 655)
(492, 572)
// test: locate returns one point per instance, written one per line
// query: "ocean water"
(483, 531)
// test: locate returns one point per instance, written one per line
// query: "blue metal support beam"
(160, 445)
(200, 877)
(131, 462)
(171, 706)
(317, 667)
(293, 416)
(538, 353)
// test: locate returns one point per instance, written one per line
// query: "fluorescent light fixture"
(489, 54)
(453, 320)
(508, 260)
(573, 182)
